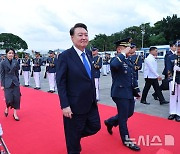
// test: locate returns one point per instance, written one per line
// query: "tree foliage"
(161, 33)
(12, 41)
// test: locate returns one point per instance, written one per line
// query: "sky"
(45, 24)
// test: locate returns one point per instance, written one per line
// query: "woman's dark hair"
(8, 49)
(81, 25)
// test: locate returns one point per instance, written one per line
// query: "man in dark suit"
(97, 64)
(124, 88)
(76, 89)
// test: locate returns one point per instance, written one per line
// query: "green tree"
(12, 41)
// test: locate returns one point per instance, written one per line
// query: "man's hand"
(126, 51)
(159, 78)
(2, 88)
(67, 112)
(138, 98)
(176, 68)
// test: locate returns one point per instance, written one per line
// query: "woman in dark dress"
(10, 82)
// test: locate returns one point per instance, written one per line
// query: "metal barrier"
(3, 147)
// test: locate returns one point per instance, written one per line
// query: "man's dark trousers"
(125, 109)
(155, 84)
(81, 125)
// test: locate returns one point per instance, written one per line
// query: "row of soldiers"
(32, 68)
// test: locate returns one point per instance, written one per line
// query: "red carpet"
(40, 129)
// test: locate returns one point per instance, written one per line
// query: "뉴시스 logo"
(147, 140)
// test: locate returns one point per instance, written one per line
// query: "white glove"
(176, 68)
(47, 64)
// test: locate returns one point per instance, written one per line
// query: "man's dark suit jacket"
(75, 88)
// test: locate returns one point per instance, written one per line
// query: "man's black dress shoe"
(132, 146)
(172, 116)
(49, 91)
(164, 102)
(17, 119)
(155, 97)
(37, 88)
(177, 118)
(109, 127)
(144, 102)
(6, 114)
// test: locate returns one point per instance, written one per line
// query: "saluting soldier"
(135, 59)
(97, 64)
(173, 64)
(51, 70)
(26, 68)
(124, 89)
(37, 62)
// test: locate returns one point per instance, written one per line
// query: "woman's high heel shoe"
(6, 114)
(15, 118)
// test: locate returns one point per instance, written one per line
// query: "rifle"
(2, 143)
(136, 62)
(32, 73)
(96, 64)
(45, 73)
(21, 71)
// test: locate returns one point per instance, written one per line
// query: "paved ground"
(105, 84)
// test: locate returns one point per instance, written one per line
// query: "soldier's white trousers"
(108, 68)
(37, 79)
(104, 69)
(26, 75)
(174, 104)
(52, 83)
(97, 87)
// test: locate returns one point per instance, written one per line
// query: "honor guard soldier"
(135, 59)
(173, 68)
(36, 63)
(19, 61)
(108, 65)
(124, 89)
(2, 58)
(97, 64)
(105, 64)
(26, 68)
(165, 71)
(51, 70)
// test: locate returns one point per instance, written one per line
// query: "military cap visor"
(50, 52)
(94, 49)
(37, 53)
(123, 42)
(177, 44)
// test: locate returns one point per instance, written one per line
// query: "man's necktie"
(86, 65)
